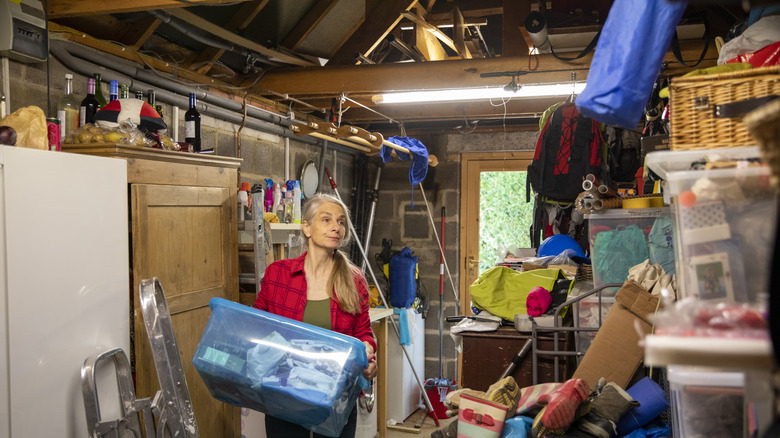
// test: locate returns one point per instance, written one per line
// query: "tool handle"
(330, 178)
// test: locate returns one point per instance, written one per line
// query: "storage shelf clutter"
(724, 214)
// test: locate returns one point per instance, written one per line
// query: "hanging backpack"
(403, 279)
(624, 153)
(569, 147)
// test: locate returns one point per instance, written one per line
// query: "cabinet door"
(182, 236)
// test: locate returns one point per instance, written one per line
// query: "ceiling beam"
(217, 30)
(243, 17)
(375, 78)
(382, 18)
(512, 35)
(73, 8)
(306, 25)
(420, 22)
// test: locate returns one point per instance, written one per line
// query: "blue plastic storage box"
(294, 371)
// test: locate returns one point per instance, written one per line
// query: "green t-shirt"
(317, 312)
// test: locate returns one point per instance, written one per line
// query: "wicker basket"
(693, 102)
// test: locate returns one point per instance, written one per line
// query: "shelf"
(719, 352)
(286, 227)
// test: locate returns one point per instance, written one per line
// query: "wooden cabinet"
(486, 355)
(184, 232)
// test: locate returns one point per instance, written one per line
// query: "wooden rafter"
(246, 13)
(306, 25)
(419, 21)
(217, 30)
(379, 22)
(75, 8)
(140, 32)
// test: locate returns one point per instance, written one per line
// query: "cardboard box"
(615, 353)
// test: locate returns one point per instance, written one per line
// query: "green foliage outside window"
(504, 216)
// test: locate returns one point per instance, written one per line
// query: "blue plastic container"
(294, 371)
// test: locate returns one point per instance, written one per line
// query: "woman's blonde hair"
(341, 279)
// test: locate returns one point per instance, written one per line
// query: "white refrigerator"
(64, 286)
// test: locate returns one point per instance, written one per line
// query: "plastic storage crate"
(706, 403)
(294, 371)
(622, 238)
(726, 221)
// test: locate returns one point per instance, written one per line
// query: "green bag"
(503, 291)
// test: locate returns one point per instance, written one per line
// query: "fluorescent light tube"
(564, 89)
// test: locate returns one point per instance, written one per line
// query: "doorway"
(493, 212)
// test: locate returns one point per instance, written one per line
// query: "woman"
(321, 287)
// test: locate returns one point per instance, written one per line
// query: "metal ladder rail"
(173, 399)
(131, 407)
(557, 328)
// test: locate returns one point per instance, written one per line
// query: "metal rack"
(558, 328)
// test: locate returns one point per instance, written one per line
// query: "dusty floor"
(410, 428)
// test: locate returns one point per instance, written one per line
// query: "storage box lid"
(664, 162)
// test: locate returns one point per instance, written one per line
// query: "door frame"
(472, 164)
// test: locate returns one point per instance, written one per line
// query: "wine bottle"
(124, 91)
(113, 91)
(139, 95)
(68, 109)
(192, 125)
(99, 90)
(151, 97)
(89, 105)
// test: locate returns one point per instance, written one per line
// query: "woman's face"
(327, 227)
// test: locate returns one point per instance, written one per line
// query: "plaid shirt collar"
(296, 267)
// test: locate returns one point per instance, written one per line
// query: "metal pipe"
(85, 61)
(372, 212)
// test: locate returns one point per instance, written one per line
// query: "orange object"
(687, 198)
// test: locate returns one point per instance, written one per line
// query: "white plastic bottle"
(296, 201)
(277, 198)
(243, 205)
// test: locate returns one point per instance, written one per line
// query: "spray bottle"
(269, 195)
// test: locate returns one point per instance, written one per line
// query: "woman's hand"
(370, 371)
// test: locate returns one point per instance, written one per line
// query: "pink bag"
(479, 418)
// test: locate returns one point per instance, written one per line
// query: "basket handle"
(740, 108)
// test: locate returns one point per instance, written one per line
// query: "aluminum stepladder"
(171, 405)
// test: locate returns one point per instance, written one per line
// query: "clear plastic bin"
(706, 403)
(622, 238)
(294, 371)
(726, 221)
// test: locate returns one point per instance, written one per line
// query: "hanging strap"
(585, 51)
(676, 46)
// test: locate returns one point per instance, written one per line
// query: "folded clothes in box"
(288, 369)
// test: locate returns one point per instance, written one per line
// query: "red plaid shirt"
(283, 292)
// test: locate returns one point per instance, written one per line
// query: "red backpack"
(570, 146)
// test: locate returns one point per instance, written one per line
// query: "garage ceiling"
(313, 55)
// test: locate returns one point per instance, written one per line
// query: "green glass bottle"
(99, 90)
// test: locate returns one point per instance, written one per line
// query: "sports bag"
(569, 147)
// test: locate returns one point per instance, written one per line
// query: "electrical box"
(23, 35)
